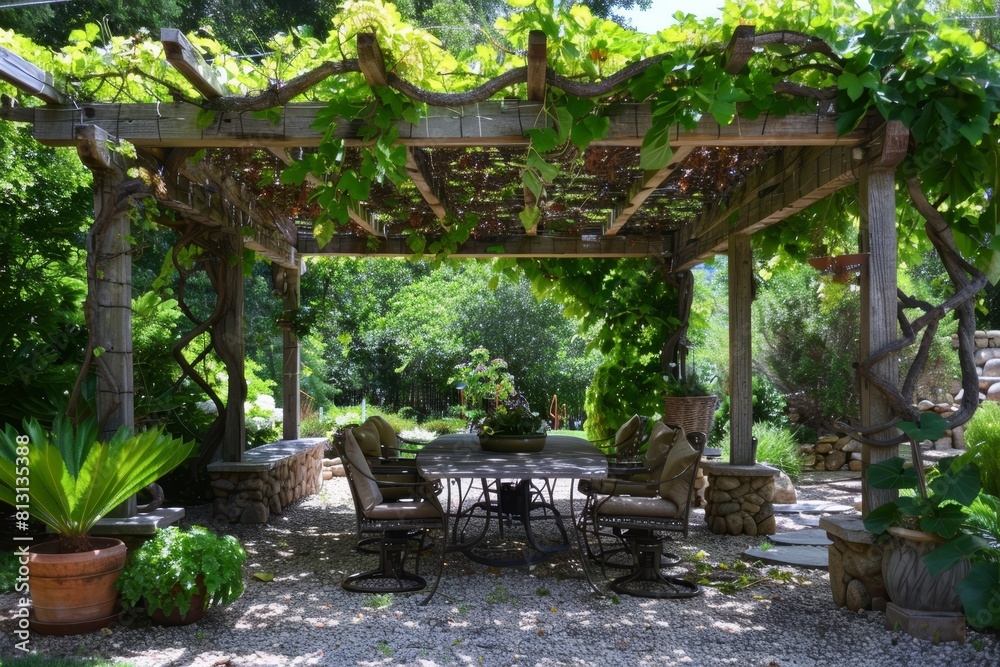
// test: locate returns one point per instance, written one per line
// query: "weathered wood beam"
(371, 60)
(879, 327)
(793, 183)
(739, 50)
(487, 124)
(524, 246)
(185, 58)
(270, 235)
(30, 79)
(360, 217)
(642, 189)
(537, 64)
(287, 285)
(430, 187)
(740, 360)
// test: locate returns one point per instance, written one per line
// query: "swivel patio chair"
(399, 526)
(402, 478)
(641, 514)
(629, 478)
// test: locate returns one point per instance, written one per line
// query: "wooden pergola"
(798, 160)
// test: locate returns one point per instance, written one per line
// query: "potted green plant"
(512, 427)
(930, 513)
(70, 480)
(180, 574)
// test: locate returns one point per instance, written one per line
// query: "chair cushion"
(632, 486)
(680, 458)
(407, 509)
(386, 434)
(361, 475)
(661, 440)
(626, 433)
(635, 506)
(368, 439)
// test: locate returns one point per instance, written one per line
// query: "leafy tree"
(629, 306)
(806, 338)
(50, 24)
(45, 206)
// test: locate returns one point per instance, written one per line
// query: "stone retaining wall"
(740, 499)
(987, 364)
(832, 452)
(267, 480)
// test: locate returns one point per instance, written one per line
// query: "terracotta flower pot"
(75, 589)
(907, 581)
(194, 613)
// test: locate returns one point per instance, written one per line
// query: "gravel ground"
(486, 616)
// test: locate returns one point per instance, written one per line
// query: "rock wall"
(269, 479)
(987, 364)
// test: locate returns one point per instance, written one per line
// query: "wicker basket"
(694, 413)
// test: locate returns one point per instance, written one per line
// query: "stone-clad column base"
(855, 564)
(739, 499)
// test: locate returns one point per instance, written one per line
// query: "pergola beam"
(642, 189)
(501, 123)
(790, 184)
(270, 235)
(739, 50)
(429, 186)
(565, 247)
(182, 55)
(371, 61)
(29, 78)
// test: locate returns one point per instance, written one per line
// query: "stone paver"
(809, 557)
(810, 537)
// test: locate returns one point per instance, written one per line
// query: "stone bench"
(267, 480)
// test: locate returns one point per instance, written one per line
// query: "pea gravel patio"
(483, 616)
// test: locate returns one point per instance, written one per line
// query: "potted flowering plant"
(512, 427)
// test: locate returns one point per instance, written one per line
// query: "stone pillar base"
(740, 499)
(855, 564)
(936, 626)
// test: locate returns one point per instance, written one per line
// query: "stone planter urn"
(906, 578)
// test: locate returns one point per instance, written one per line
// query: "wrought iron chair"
(399, 526)
(641, 513)
(402, 478)
(631, 477)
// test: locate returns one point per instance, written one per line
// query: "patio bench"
(268, 479)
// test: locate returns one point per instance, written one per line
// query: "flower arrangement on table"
(512, 427)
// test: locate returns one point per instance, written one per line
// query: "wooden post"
(877, 199)
(740, 368)
(286, 282)
(228, 338)
(109, 294)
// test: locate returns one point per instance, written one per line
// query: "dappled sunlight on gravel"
(543, 617)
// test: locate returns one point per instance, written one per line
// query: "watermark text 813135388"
(22, 539)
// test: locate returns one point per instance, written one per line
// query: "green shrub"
(769, 405)
(776, 446)
(314, 427)
(444, 426)
(805, 338)
(982, 436)
(165, 570)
